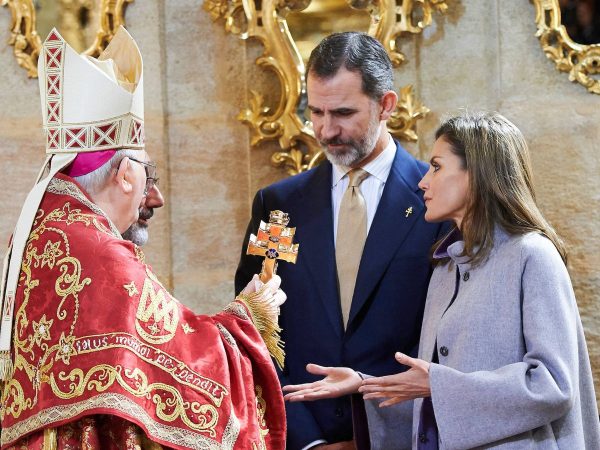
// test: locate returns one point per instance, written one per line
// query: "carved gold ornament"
(266, 21)
(579, 60)
(26, 40)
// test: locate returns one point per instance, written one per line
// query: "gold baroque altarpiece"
(27, 42)
(581, 62)
(265, 20)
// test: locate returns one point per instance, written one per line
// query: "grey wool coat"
(514, 371)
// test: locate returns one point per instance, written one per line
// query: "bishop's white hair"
(94, 181)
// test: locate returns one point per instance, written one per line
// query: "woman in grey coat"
(502, 359)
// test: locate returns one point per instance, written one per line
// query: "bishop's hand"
(338, 381)
(268, 294)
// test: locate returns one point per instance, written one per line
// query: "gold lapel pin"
(408, 211)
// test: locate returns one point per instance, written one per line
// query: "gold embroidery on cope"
(187, 329)
(41, 330)
(184, 437)
(237, 310)
(131, 288)
(158, 358)
(170, 405)
(65, 349)
(261, 410)
(227, 335)
(139, 254)
(62, 187)
(68, 285)
(157, 313)
(51, 252)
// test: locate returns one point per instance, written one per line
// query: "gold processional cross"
(274, 241)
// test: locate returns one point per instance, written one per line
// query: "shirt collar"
(379, 168)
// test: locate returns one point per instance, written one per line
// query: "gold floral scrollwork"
(23, 35)
(296, 161)
(394, 20)
(581, 61)
(404, 119)
(265, 21)
(112, 16)
(27, 43)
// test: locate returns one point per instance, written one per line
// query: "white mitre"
(91, 104)
(90, 107)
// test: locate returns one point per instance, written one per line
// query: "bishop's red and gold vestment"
(101, 349)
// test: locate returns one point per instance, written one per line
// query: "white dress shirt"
(371, 188)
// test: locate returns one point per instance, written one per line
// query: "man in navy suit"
(350, 96)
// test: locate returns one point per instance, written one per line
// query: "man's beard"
(138, 232)
(357, 150)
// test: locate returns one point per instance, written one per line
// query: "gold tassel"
(6, 366)
(268, 328)
(50, 439)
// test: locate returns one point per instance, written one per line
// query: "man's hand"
(268, 293)
(338, 381)
(346, 445)
(414, 383)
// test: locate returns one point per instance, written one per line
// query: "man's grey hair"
(95, 181)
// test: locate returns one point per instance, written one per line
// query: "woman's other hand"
(414, 383)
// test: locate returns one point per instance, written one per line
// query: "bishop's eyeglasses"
(151, 178)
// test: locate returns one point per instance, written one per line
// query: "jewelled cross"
(274, 241)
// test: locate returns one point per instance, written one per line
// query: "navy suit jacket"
(389, 296)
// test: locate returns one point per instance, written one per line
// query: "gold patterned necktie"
(350, 239)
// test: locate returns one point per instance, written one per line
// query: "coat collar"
(453, 245)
